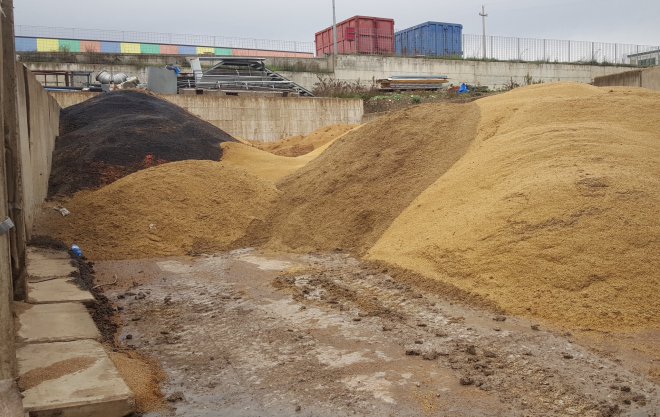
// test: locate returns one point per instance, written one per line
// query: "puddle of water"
(174, 267)
(266, 264)
(336, 358)
(375, 383)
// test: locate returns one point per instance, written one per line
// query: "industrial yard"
(386, 222)
(401, 267)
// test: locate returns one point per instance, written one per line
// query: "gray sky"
(633, 21)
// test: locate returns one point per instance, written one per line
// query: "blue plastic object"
(464, 89)
(76, 250)
(430, 39)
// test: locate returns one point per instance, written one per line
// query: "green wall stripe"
(149, 48)
(69, 45)
(223, 51)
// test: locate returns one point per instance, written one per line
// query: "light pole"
(334, 36)
(483, 24)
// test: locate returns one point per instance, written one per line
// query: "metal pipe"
(483, 23)
(334, 36)
(104, 77)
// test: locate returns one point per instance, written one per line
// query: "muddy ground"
(248, 334)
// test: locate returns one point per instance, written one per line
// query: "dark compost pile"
(115, 134)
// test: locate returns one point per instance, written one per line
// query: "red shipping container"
(358, 35)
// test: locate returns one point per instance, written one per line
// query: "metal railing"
(498, 48)
(550, 50)
(162, 38)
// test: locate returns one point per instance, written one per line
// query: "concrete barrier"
(29, 120)
(645, 78)
(628, 78)
(38, 127)
(259, 118)
(365, 68)
(493, 74)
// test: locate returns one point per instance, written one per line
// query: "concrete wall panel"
(253, 117)
(645, 78)
(39, 115)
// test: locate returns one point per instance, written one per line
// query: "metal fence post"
(545, 56)
(569, 51)
(593, 51)
(616, 53)
(518, 42)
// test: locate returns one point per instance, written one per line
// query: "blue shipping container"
(430, 39)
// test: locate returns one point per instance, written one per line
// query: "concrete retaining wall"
(29, 120)
(493, 74)
(646, 78)
(349, 68)
(39, 121)
(257, 118)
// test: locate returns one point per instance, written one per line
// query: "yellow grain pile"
(301, 145)
(349, 195)
(172, 209)
(265, 164)
(553, 212)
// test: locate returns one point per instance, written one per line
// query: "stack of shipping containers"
(375, 36)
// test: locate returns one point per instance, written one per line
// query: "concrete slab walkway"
(60, 322)
(60, 290)
(63, 370)
(74, 378)
(44, 264)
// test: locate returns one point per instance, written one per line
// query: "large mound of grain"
(349, 195)
(172, 209)
(112, 135)
(301, 145)
(265, 164)
(553, 212)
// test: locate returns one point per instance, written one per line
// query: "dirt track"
(246, 334)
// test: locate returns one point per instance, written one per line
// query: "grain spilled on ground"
(56, 370)
(143, 376)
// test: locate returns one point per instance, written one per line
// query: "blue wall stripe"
(26, 44)
(111, 47)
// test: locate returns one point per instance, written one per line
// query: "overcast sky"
(633, 21)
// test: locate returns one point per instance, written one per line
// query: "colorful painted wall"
(24, 44)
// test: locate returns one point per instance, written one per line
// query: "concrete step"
(61, 322)
(60, 290)
(71, 379)
(44, 264)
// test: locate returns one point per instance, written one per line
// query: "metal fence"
(498, 48)
(550, 50)
(162, 38)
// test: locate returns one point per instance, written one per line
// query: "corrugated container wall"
(430, 39)
(358, 35)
